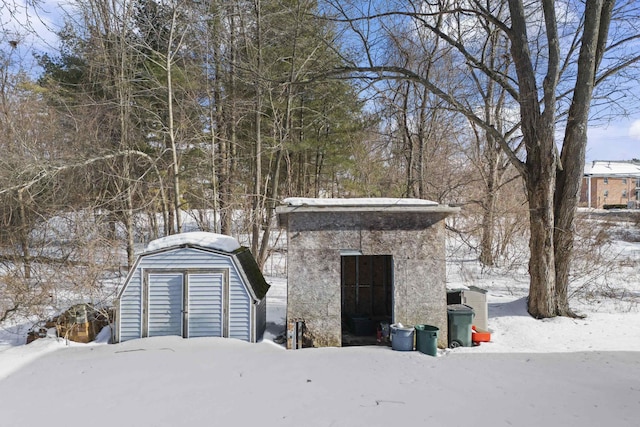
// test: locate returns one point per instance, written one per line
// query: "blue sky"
(619, 139)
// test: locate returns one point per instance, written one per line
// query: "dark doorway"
(367, 297)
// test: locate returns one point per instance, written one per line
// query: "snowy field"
(553, 372)
(550, 372)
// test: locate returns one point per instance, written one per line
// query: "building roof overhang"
(390, 206)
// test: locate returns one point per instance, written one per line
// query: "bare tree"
(173, 45)
(162, 43)
(557, 60)
(53, 235)
(485, 152)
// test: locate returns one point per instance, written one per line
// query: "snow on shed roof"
(372, 202)
(197, 238)
(610, 168)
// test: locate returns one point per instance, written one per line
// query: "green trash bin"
(460, 318)
(427, 339)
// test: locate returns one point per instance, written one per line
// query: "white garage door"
(205, 304)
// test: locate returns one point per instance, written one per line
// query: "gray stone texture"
(415, 240)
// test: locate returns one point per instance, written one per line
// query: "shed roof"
(215, 243)
(203, 239)
(252, 272)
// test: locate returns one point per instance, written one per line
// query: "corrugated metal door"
(205, 304)
(165, 304)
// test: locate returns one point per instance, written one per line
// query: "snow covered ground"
(553, 372)
(534, 372)
(219, 382)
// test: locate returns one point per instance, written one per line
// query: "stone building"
(356, 263)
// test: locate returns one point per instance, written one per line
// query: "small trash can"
(427, 339)
(401, 337)
(460, 319)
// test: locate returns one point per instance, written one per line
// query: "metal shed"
(193, 285)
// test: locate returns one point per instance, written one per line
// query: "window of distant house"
(624, 193)
(606, 180)
(606, 193)
(624, 180)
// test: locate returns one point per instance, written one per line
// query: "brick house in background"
(611, 184)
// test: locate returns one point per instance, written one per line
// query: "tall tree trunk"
(175, 166)
(423, 138)
(129, 227)
(270, 207)
(256, 207)
(540, 184)
(214, 123)
(597, 19)
(408, 143)
(24, 236)
(227, 150)
(216, 116)
(538, 132)
(488, 212)
(317, 171)
(124, 95)
(490, 152)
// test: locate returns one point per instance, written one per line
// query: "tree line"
(148, 111)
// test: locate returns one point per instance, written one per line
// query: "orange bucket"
(478, 335)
